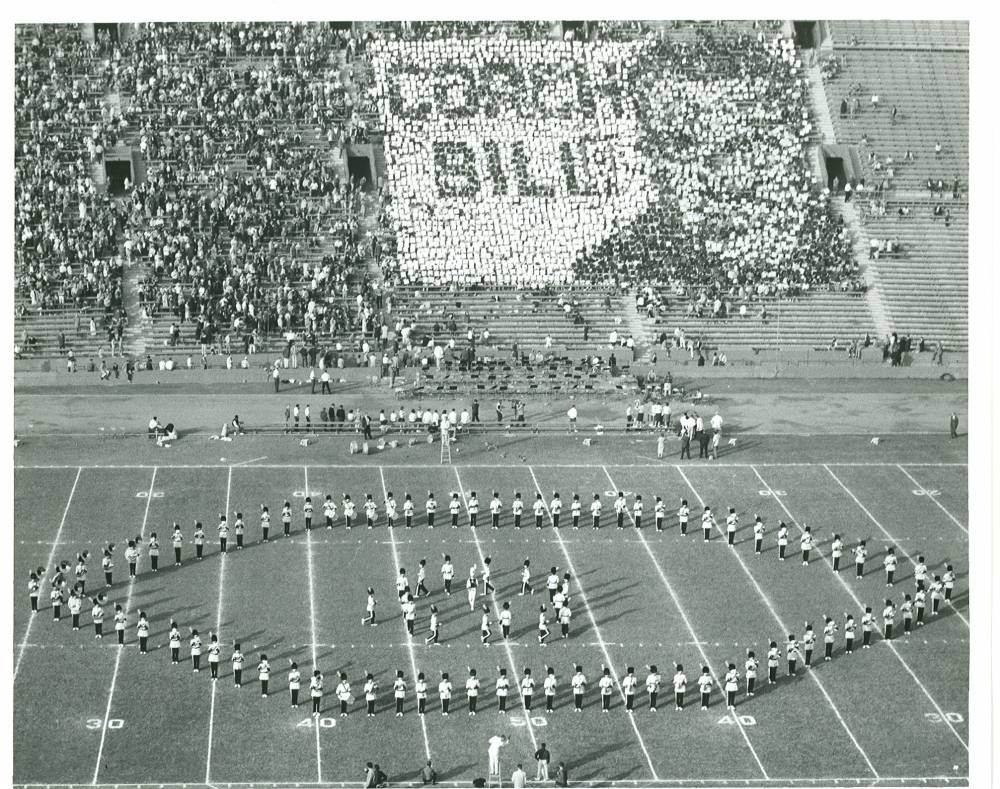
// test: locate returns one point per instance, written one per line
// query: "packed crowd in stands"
(690, 178)
(693, 178)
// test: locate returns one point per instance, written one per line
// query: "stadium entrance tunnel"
(809, 35)
(117, 170)
(107, 28)
(840, 163)
(360, 167)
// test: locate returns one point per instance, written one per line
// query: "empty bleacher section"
(915, 162)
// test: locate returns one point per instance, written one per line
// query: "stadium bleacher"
(244, 215)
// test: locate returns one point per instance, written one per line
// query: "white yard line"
(118, 654)
(48, 568)
(610, 664)
(312, 626)
(690, 629)
(784, 629)
(409, 644)
(943, 509)
(861, 607)
(361, 464)
(218, 627)
(515, 677)
(957, 780)
(885, 531)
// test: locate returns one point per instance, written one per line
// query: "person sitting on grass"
(168, 434)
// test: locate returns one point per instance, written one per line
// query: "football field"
(88, 712)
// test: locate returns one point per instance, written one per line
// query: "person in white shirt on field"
(606, 685)
(444, 693)
(579, 683)
(705, 683)
(680, 686)
(502, 689)
(496, 742)
(629, 684)
(652, 686)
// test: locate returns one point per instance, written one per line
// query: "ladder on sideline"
(494, 779)
(445, 446)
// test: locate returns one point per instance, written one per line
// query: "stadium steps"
(812, 321)
(922, 68)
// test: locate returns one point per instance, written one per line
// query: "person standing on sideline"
(953, 425)
(294, 683)
(685, 439)
(519, 778)
(214, 653)
(542, 759)
(265, 523)
(496, 742)
(660, 446)
(572, 414)
(428, 775)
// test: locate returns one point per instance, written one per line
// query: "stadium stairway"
(859, 241)
(922, 69)
(811, 322)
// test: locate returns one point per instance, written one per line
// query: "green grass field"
(91, 713)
